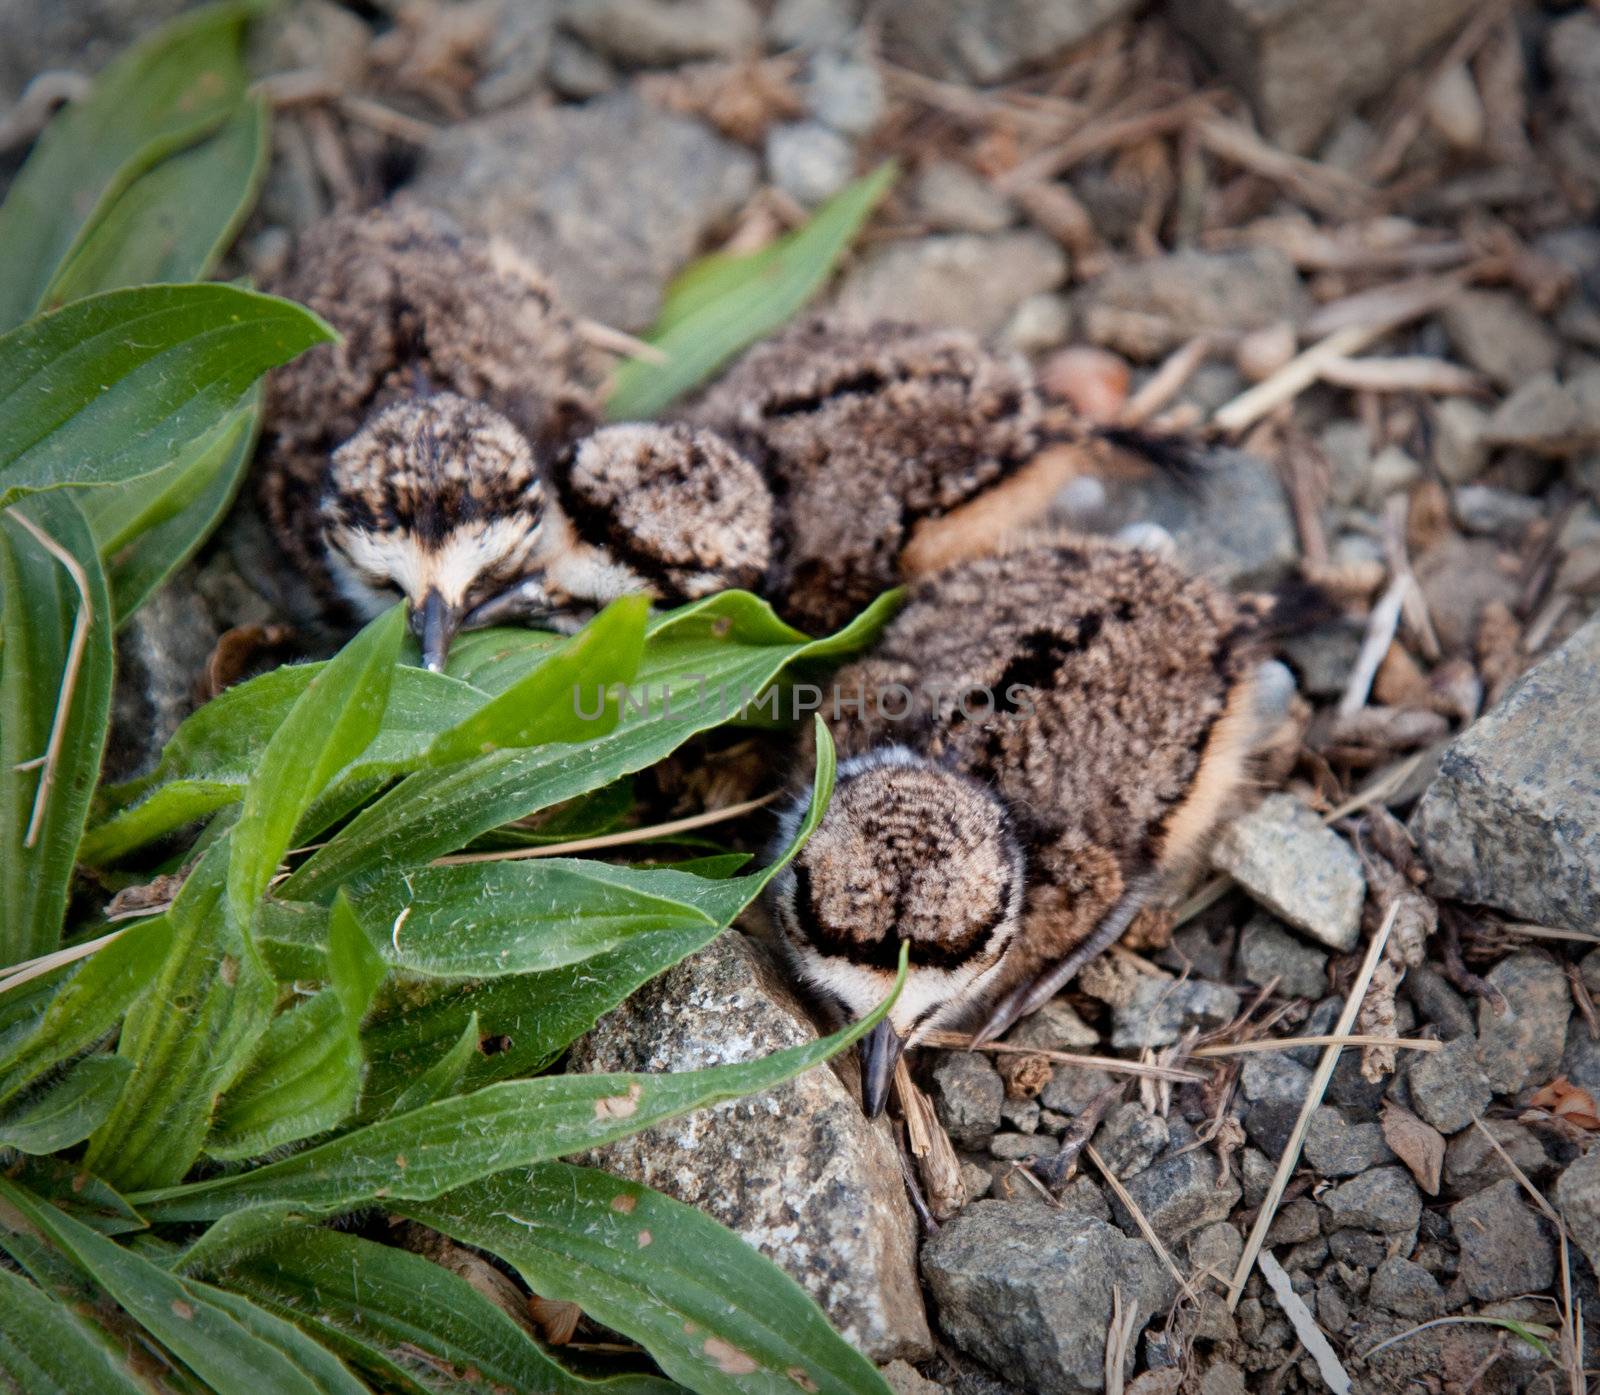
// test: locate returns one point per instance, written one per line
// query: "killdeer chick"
(421, 308)
(1079, 717)
(891, 451)
(439, 499)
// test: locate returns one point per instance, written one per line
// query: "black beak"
(435, 622)
(880, 1051)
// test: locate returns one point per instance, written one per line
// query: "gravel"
(967, 1095)
(954, 199)
(1130, 1138)
(658, 33)
(1385, 1201)
(1505, 1249)
(1268, 952)
(1283, 855)
(1028, 1290)
(1497, 334)
(1179, 1195)
(1449, 1088)
(1338, 1145)
(809, 161)
(993, 41)
(1401, 1286)
(1523, 1046)
(1161, 1010)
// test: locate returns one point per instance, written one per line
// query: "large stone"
(799, 1172)
(992, 41)
(610, 198)
(1504, 1248)
(1145, 308)
(1338, 1145)
(1522, 1046)
(962, 280)
(659, 32)
(1577, 1195)
(1232, 524)
(1304, 63)
(1448, 1087)
(1513, 817)
(967, 1094)
(1268, 953)
(1162, 1009)
(1028, 1290)
(1497, 334)
(1384, 1200)
(1289, 861)
(1180, 1194)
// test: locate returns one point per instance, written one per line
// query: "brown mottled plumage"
(421, 306)
(1107, 704)
(862, 434)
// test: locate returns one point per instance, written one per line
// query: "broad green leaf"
(69, 1111)
(39, 607)
(714, 1313)
(67, 1187)
(230, 1238)
(330, 725)
(420, 1155)
(47, 1349)
(210, 759)
(174, 221)
(89, 1003)
(700, 664)
(407, 1322)
(305, 1077)
(188, 1038)
(445, 1076)
(227, 1341)
(117, 386)
(565, 698)
(723, 304)
(484, 920)
(157, 98)
(148, 529)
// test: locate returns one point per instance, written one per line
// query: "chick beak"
(435, 622)
(880, 1052)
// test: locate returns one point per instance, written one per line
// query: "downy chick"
(1090, 700)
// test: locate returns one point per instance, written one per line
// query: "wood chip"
(1416, 1143)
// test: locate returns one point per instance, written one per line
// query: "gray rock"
(1055, 1027)
(962, 280)
(1580, 1062)
(1072, 1087)
(967, 1095)
(1448, 1087)
(1217, 1247)
(993, 41)
(1347, 446)
(1505, 1250)
(577, 72)
(1130, 1138)
(1406, 1288)
(1577, 1197)
(1041, 322)
(1572, 49)
(1270, 1124)
(1022, 1115)
(1360, 1249)
(609, 198)
(1471, 1162)
(1233, 525)
(1027, 1290)
(954, 199)
(1543, 416)
(657, 33)
(1323, 657)
(1179, 1195)
(812, 24)
(1522, 1046)
(798, 1171)
(1437, 1002)
(1459, 578)
(1296, 1222)
(1256, 1171)
(1146, 308)
(1385, 1201)
(808, 160)
(904, 1379)
(1459, 448)
(1267, 951)
(1273, 1077)
(1019, 1147)
(1283, 855)
(1222, 1378)
(845, 91)
(515, 61)
(1161, 1009)
(1338, 1146)
(39, 35)
(1392, 471)
(1498, 335)
(1498, 513)
(1082, 1197)
(975, 1182)
(1305, 63)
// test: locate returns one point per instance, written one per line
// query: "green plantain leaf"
(565, 698)
(700, 665)
(445, 1076)
(159, 97)
(213, 754)
(722, 304)
(407, 1322)
(147, 529)
(39, 606)
(716, 1315)
(420, 1155)
(89, 1004)
(188, 1038)
(226, 1340)
(174, 221)
(330, 725)
(69, 1111)
(305, 1077)
(117, 386)
(47, 1349)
